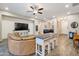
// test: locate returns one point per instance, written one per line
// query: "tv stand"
(23, 32)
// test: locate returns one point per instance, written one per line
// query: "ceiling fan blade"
(40, 9)
(40, 12)
(29, 11)
(31, 7)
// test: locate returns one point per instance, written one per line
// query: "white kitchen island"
(45, 43)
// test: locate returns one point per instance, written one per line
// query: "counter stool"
(44, 47)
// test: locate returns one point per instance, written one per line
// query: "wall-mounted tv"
(21, 26)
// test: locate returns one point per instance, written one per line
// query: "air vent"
(75, 4)
(76, 13)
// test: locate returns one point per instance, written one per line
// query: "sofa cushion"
(17, 34)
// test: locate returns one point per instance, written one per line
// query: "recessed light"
(67, 6)
(64, 17)
(68, 13)
(6, 8)
(35, 16)
(61, 18)
(54, 16)
(44, 18)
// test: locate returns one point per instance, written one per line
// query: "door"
(64, 27)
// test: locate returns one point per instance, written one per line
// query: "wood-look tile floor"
(64, 47)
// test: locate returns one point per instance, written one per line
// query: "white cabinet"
(44, 46)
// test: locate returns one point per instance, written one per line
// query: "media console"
(22, 33)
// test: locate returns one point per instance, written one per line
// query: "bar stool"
(44, 47)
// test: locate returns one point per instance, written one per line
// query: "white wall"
(66, 24)
(55, 25)
(8, 25)
(71, 19)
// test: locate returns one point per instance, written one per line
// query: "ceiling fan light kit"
(36, 9)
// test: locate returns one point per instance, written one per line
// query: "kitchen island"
(45, 43)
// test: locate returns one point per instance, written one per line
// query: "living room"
(44, 29)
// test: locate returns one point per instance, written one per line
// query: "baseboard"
(2, 40)
(64, 34)
(5, 38)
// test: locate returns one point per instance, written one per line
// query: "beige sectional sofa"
(21, 45)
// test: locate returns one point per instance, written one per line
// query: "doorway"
(64, 27)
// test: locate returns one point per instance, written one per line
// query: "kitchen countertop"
(47, 36)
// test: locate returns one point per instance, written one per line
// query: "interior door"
(64, 25)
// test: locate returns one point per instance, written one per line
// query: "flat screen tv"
(21, 26)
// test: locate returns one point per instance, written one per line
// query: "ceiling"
(50, 9)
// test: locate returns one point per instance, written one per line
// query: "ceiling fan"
(36, 9)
